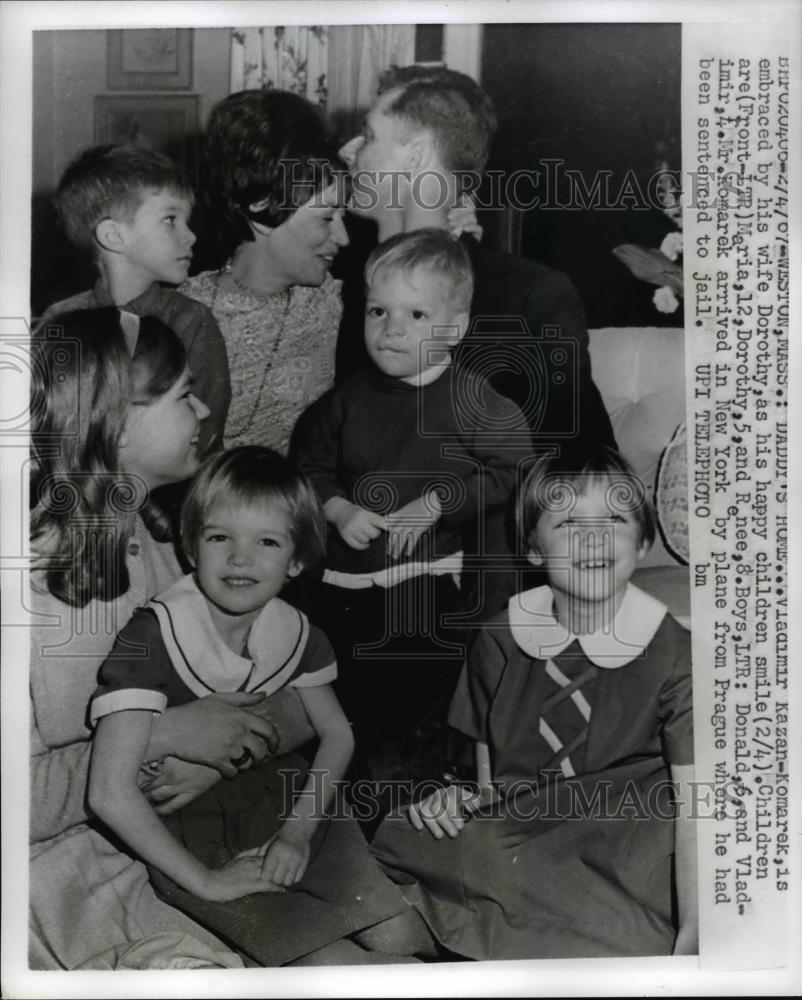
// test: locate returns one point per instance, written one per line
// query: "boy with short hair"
(407, 456)
(130, 207)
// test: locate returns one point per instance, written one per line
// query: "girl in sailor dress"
(578, 841)
(265, 838)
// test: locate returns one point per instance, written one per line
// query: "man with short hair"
(426, 137)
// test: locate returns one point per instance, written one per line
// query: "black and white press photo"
(396, 498)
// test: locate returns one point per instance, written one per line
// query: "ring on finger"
(245, 758)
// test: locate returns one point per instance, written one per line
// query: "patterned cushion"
(671, 494)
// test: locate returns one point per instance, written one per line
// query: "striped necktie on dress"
(565, 711)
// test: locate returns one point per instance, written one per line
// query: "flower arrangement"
(661, 267)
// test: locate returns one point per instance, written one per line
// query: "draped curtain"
(293, 58)
(357, 58)
(335, 67)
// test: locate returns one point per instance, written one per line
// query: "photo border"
(553, 977)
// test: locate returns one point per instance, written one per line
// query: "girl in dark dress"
(266, 860)
(578, 701)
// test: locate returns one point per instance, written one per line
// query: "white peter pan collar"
(538, 633)
(203, 661)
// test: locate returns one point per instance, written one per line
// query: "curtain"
(358, 56)
(293, 58)
(335, 67)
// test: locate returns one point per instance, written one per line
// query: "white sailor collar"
(276, 643)
(538, 633)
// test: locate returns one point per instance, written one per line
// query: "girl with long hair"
(113, 419)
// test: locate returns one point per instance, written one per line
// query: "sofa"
(640, 373)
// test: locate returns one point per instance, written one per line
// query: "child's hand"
(407, 524)
(242, 876)
(357, 526)
(287, 854)
(462, 219)
(178, 783)
(442, 811)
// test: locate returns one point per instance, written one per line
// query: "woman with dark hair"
(271, 189)
(114, 418)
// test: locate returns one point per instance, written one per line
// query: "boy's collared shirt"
(197, 330)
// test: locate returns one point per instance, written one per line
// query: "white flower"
(671, 246)
(665, 300)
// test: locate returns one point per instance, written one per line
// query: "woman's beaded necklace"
(286, 294)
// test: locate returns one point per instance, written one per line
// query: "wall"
(69, 72)
(599, 97)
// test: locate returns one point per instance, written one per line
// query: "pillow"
(671, 496)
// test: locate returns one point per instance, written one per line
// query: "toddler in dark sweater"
(408, 457)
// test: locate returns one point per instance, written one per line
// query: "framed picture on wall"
(169, 124)
(149, 59)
